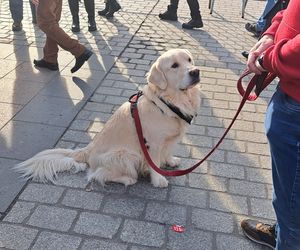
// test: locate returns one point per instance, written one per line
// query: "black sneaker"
(114, 6)
(43, 64)
(251, 27)
(17, 26)
(260, 233)
(193, 23)
(170, 14)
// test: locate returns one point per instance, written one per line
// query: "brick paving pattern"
(41, 109)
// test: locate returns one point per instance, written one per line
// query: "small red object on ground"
(178, 228)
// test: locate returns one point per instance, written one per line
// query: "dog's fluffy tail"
(45, 165)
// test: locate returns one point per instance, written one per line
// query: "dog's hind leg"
(119, 166)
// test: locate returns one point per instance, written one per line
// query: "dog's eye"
(190, 59)
(175, 65)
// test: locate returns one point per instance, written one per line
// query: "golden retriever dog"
(115, 154)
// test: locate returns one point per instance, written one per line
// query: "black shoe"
(170, 14)
(43, 64)
(104, 11)
(75, 25)
(92, 25)
(251, 27)
(17, 26)
(114, 6)
(81, 60)
(193, 23)
(260, 233)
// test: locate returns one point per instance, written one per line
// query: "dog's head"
(174, 69)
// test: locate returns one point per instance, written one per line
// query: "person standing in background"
(278, 52)
(90, 10)
(16, 10)
(48, 16)
(171, 14)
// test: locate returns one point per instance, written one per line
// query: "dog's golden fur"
(115, 154)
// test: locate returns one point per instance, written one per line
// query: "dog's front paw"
(159, 181)
(173, 161)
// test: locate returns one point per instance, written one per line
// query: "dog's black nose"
(194, 73)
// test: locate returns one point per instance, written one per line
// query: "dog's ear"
(156, 76)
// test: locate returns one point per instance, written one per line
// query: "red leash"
(260, 82)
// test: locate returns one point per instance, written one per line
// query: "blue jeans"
(260, 24)
(283, 131)
(16, 10)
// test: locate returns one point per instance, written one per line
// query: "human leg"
(74, 8)
(90, 9)
(283, 129)
(260, 24)
(196, 21)
(171, 12)
(113, 6)
(16, 10)
(33, 12)
(48, 16)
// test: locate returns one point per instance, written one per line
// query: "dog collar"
(184, 116)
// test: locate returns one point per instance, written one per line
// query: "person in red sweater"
(278, 51)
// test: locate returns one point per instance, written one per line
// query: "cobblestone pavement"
(41, 109)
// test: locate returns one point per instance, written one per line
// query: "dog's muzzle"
(195, 75)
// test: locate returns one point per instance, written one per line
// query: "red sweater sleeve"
(283, 58)
(275, 23)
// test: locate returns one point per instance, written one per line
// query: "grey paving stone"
(124, 206)
(54, 241)
(20, 211)
(225, 242)
(166, 213)
(247, 188)
(82, 199)
(212, 220)
(228, 203)
(71, 87)
(6, 66)
(54, 218)
(188, 196)
(146, 190)
(143, 233)
(10, 182)
(16, 237)
(207, 182)
(190, 239)
(101, 244)
(47, 110)
(18, 91)
(262, 208)
(7, 112)
(42, 193)
(97, 225)
(27, 137)
(78, 180)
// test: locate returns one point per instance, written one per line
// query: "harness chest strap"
(258, 81)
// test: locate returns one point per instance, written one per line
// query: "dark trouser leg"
(174, 4)
(194, 9)
(16, 10)
(74, 8)
(33, 12)
(90, 9)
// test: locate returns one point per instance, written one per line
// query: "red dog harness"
(260, 82)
